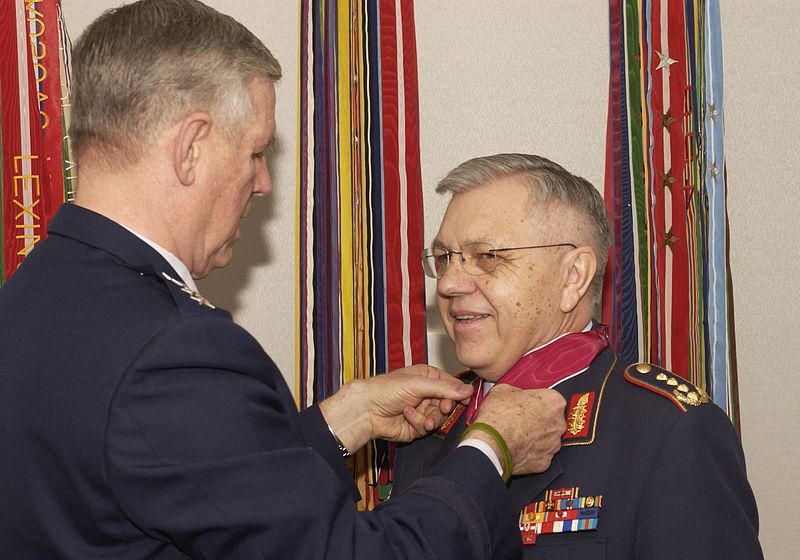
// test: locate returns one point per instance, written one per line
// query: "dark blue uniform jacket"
(669, 468)
(137, 422)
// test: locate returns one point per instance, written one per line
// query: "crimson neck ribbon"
(549, 364)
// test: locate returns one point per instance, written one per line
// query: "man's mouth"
(468, 318)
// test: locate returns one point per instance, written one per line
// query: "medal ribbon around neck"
(548, 365)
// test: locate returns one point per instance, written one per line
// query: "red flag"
(32, 135)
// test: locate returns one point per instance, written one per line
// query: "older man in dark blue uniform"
(649, 467)
(139, 422)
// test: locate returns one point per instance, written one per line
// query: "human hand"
(399, 406)
(530, 421)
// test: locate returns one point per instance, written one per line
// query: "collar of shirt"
(174, 261)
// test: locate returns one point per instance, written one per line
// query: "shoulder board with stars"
(194, 296)
(666, 384)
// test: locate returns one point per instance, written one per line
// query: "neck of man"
(574, 320)
(134, 197)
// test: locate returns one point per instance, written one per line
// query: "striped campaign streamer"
(360, 291)
(668, 296)
(36, 172)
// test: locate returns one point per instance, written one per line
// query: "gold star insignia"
(714, 170)
(667, 179)
(664, 61)
(669, 239)
(667, 120)
(712, 111)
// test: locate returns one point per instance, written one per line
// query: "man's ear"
(580, 266)
(190, 132)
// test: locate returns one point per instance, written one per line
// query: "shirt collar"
(174, 261)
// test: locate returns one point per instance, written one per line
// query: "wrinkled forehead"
(262, 94)
(258, 126)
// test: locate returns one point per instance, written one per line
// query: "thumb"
(450, 388)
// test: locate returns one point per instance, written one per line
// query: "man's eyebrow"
(268, 144)
(438, 243)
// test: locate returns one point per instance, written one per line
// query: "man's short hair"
(549, 183)
(143, 66)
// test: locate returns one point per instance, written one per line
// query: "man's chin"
(472, 362)
(219, 260)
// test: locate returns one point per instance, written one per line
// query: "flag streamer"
(668, 295)
(36, 171)
(360, 286)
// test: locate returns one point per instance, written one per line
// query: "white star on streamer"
(664, 61)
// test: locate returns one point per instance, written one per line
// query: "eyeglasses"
(476, 258)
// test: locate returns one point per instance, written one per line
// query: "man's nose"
(263, 184)
(454, 278)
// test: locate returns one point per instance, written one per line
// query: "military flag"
(360, 286)
(34, 93)
(668, 296)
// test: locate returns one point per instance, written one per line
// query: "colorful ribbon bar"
(562, 511)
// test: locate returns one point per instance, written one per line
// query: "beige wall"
(532, 76)
(762, 123)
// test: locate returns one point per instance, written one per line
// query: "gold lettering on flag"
(26, 185)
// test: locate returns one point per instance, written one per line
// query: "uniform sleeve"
(698, 503)
(316, 434)
(205, 451)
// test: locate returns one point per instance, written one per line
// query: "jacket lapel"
(526, 489)
(584, 396)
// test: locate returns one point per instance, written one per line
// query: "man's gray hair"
(141, 67)
(549, 183)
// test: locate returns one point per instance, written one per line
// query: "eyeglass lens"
(476, 258)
